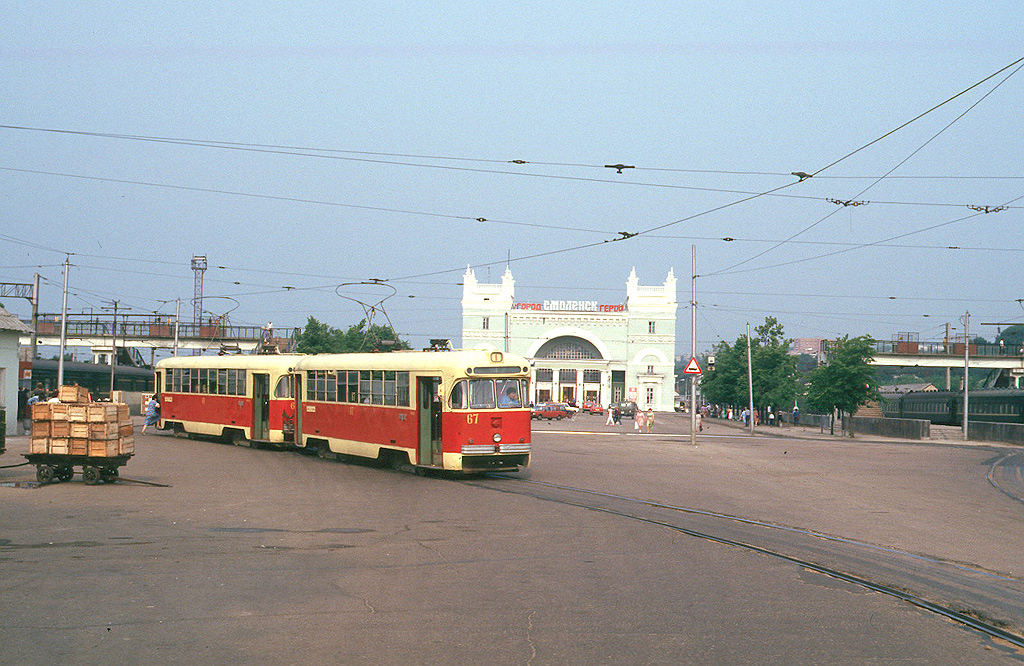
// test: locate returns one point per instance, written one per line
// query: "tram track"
(985, 601)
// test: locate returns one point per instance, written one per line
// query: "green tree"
(846, 381)
(319, 338)
(774, 370)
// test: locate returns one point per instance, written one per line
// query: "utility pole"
(63, 323)
(967, 362)
(35, 316)
(113, 348)
(693, 348)
(750, 383)
(177, 320)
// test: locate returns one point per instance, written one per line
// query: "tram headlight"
(496, 437)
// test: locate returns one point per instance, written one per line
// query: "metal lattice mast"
(199, 267)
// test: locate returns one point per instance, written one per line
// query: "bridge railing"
(940, 349)
(159, 328)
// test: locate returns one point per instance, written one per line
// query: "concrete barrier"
(903, 428)
(1011, 433)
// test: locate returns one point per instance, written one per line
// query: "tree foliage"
(774, 370)
(319, 338)
(846, 381)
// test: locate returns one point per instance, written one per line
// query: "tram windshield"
(487, 393)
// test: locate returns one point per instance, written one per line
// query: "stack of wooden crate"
(74, 426)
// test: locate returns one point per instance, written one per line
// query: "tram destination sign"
(570, 306)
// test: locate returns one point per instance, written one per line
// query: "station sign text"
(570, 306)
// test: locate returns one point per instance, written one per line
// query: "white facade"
(11, 329)
(581, 350)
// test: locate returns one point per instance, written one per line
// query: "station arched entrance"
(570, 369)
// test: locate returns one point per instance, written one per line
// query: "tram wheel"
(91, 476)
(44, 474)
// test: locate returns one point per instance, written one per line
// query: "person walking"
(611, 417)
(650, 419)
(638, 421)
(152, 414)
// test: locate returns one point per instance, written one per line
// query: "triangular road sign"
(692, 368)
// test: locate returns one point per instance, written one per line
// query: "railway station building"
(581, 349)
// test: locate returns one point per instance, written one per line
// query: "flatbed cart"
(52, 467)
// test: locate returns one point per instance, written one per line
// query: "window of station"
(592, 376)
(544, 374)
(567, 376)
(652, 327)
(368, 387)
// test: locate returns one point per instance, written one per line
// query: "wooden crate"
(98, 411)
(60, 445)
(80, 430)
(106, 430)
(40, 429)
(126, 430)
(123, 413)
(58, 411)
(78, 413)
(73, 394)
(41, 411)
(103, 447)
(39, 445)
(79, 446)
(126, 445)
(60, 429)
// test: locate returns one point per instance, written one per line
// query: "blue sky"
(402, 122)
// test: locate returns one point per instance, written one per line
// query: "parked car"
(549, 411)
(592, 407)
(626, 409)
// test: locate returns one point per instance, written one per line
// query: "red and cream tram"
(460, 410)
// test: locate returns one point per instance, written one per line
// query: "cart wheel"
(65, 472)
(109, 474)
(91, 475)
(44, 474)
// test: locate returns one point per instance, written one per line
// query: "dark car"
(549, 411)
(626, 409)
(591, 407)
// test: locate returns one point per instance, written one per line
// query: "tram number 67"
(472, 419)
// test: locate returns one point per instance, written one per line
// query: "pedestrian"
(700, 421)
(638, 421)
(796, 416)
(616, 416)
(611, 417)
(650, 419)
(152, 413)
(771, 417)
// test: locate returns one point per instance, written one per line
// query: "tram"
(461, 411)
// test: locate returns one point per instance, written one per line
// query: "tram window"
(390, 395)
(481, 394)
(283, 388)
(222, 382)
(332, 387)
(509, 393)
(364, 387)
(459, 397)
(402, 389)
(351, 392)
(378, 387)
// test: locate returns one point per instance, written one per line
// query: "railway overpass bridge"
(943, 355)
(149, 332)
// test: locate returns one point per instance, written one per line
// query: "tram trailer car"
(946, 407)
(459, 411)
(93, 376)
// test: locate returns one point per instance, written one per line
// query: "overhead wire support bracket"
(988, 209)
(618, 167)
(849, 202)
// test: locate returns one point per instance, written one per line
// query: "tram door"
(429, 412)
(297, 408)
(260, 406)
